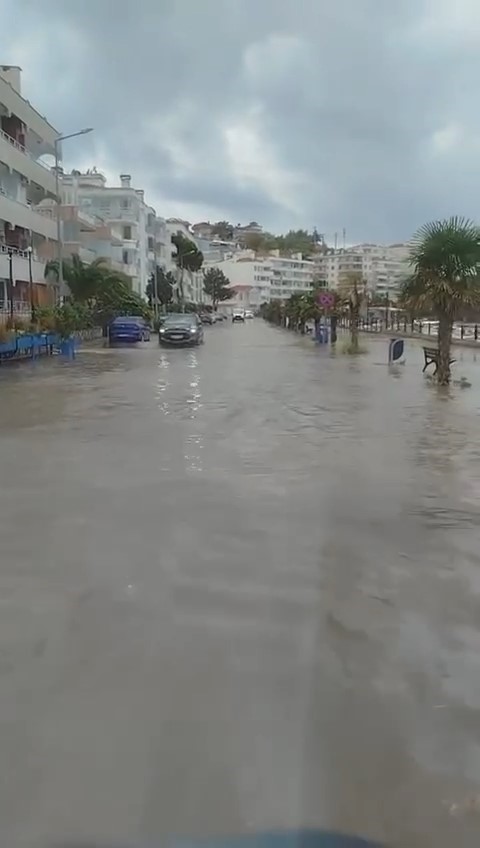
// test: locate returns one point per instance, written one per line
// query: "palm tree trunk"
(354, 313)
(180, 286)
(444, 345)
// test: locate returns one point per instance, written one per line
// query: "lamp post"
(155, 293)
(10, 280)
(30, 284)
(59, 201)
(181, 259)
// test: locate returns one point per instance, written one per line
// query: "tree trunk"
(444, 345)
(180, 286)
(354, 313)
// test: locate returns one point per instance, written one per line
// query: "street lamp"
(59, 200)
(10, 276)
(30, 284)
(181, 259)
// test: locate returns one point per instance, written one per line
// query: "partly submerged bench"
(431, 355)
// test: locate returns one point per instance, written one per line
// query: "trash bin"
(322, 334)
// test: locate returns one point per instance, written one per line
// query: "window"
(127, 232)
(125, 203)
(125, 257)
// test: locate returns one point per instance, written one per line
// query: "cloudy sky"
(335, 113)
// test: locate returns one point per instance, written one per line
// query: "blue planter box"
(8, 347)
(24, 344)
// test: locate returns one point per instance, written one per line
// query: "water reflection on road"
(240, 590)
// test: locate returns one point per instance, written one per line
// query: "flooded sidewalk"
(240, 590)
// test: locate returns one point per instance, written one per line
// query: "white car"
(238, 315)
(249, 314)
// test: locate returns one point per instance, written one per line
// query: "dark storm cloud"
(354, 114)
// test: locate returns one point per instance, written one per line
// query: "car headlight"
(161, 330)
(193, 329)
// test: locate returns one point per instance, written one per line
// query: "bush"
(348, 348)
(5, 334)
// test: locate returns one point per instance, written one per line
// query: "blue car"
(129, 329)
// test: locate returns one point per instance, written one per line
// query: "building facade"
(25, 233)
(382, 267)
(256, 280)
(127, 224)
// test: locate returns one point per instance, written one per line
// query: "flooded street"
(240, 589)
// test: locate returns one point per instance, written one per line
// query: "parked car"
(249, 314)
(238, 316)
(181, 329)
(129, 329)
(206, 318)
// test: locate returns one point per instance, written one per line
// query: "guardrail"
(423, 328)
(6, 249)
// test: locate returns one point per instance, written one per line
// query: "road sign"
(325, 299)
(395, 350)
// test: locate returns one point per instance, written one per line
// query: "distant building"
(241, 232)
(203, 230)
(255, 280)
(382, 267)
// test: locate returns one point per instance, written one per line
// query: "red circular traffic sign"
(325, 299)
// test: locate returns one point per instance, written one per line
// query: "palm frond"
(445, 260)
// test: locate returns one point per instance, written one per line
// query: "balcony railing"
(15, 251)
(22, 149)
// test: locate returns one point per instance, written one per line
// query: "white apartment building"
(257, 280)
(383, 267)
(25, 137)
(130, 221)
(164, 249)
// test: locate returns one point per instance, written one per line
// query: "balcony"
(20, 269)
(22, 215)
(17, 158)
(23, 109)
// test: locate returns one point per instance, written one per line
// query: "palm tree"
(445, 258)
(188, 258)
(83, 280)
(351, 293)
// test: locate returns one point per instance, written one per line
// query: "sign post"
(326, 300)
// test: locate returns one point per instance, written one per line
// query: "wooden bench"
(431, 355)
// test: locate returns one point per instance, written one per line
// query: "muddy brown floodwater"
(240, 589)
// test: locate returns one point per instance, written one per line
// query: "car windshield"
(128, 319)
(180, 319)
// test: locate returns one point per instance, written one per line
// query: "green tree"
(217, 286)
(165, 286)
(224, 230)
(83, 280)
(188, 258)
(116, 300)
(445, 260)
(296, 241)
(260, 242)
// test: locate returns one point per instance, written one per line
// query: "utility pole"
(155, 293)
(10, 275)
(57, 142)
(30, 284)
